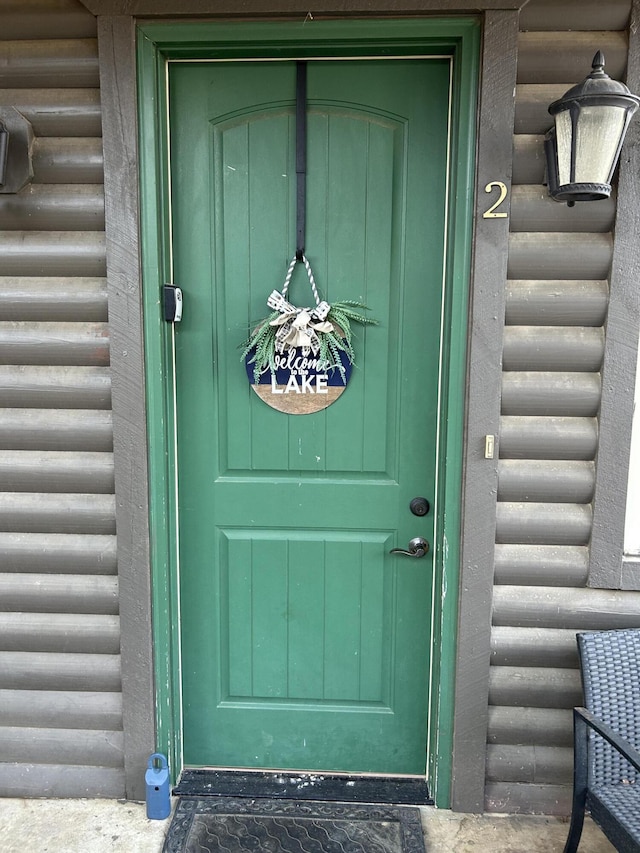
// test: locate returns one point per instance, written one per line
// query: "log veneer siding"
(555, 338)
(61, 726)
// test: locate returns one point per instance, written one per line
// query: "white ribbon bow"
(299, 326)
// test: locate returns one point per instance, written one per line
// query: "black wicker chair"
(606, 776)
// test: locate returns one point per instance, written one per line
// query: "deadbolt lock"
(419, 506)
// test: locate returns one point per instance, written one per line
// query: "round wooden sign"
(302, 383)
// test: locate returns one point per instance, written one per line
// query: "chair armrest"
(618, 743)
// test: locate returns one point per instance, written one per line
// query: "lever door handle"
(418, 547)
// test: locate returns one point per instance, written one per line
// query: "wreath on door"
(323, 330)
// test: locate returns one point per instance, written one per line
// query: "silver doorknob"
(418, 547)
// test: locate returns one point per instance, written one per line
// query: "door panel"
(305, 643)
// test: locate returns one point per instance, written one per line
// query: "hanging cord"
(312, 281)
(301, 157)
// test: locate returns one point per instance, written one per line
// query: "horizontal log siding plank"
(533, 209)
(50, 298)
(55, 429)
(64, 386)
(54, 207)
(534, 687)
(46, 19)
(550, 393)
(49, 593)
(57, 513)
(578, 609)
(529, 162)
(534, 646)
(67, 553)
(57, 112)
(64, 253)
(56, 471)
(68, 160)
(585, 15)
(564, 348)
(548, 438)
(59, 780)
(521, 798)
(551, 56)
(54, 343)
(545, 480)
(62, 746)
(532, 106)
(53, 63)
(543, 523)
(60, 632)
(556, 303)
(53, 709)
(541, 765)
(545, 565)
(53, 671)
(559, 254)
(531, 726)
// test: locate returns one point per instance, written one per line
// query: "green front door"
(306, 644)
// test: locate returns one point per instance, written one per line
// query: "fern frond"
(334, 346)
(263, 339)
(347, 306)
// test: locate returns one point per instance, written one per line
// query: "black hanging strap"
(301, 156)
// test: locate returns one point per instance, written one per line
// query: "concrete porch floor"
(110, 826)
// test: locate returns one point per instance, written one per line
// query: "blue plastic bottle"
(157, 782)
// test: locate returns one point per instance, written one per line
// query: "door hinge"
(172, 303)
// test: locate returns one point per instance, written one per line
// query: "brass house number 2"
(493, 212)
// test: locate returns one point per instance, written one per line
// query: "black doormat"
(231, 825)
(341, 788)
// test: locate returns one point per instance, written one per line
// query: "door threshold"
(321, 787)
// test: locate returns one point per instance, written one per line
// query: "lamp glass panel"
(563, 143)
(598, 133)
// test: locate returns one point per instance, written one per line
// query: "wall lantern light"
(16, 143)
(583, 146)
